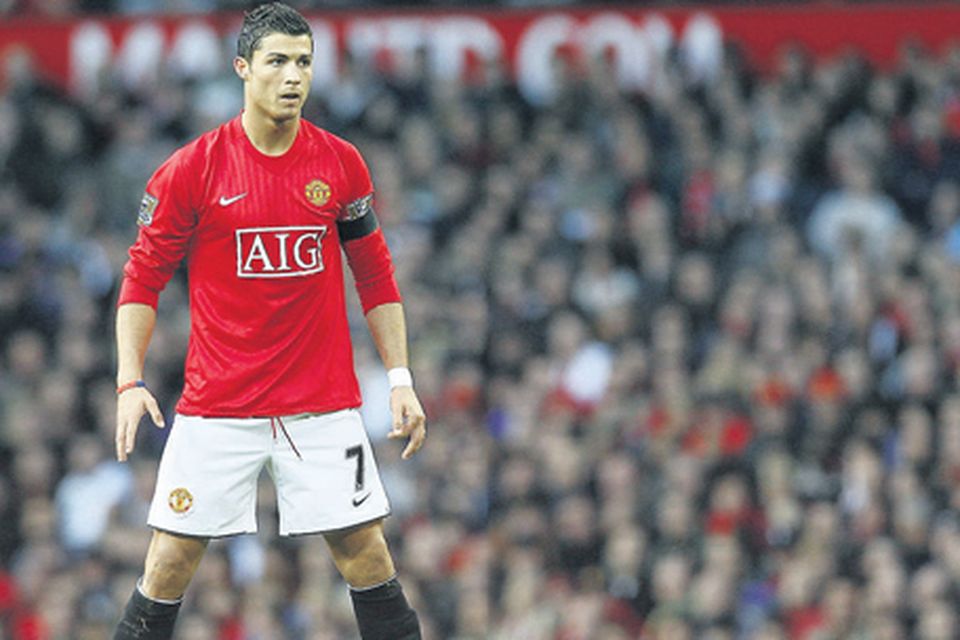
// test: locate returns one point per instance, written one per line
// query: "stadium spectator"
(680, 386)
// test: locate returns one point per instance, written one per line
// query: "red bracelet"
(126, 386)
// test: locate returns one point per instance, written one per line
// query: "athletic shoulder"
(322, 138)
(356, 175)
(188, 169)
(199, 150)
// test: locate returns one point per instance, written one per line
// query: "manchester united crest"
(317, 192)
(180, 500)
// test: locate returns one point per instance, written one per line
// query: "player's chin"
(286, 113)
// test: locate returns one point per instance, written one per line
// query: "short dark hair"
(272, 17)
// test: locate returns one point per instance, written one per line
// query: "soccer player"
(260, 208)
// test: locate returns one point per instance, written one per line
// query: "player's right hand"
(131, 405)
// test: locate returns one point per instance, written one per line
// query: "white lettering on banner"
(628, 43)
(702, 45)
(445, 40)
(403, 36)
(637, 41)
(90, 52)
(535, 53)
(638, 49)
(454, 37)
(141, 54)
(265, 252)
(325, 58)
(196, 51)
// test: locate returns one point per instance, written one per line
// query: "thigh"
(334, 482)
(207, 480)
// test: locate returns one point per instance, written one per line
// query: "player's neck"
(268, 136)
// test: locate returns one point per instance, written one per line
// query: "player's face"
(278, 77)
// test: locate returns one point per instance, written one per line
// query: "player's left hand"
(408, 419)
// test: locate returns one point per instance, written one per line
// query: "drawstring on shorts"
(273, 427)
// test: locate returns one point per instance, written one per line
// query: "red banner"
(74, 53)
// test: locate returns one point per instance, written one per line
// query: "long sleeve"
(167, 219)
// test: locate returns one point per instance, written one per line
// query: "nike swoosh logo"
(226, 202)
(359, 501)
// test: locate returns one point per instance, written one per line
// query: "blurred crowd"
(689, 355)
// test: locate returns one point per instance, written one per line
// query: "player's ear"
(242, 67)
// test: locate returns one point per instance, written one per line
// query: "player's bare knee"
(166, 573)
(374, 556)
(362, 555)
(163, 581)
(367, 570)
(170, 564)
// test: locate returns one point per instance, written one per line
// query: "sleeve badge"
(147, 206)
(359, 208)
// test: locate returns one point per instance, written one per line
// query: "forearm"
(389, 331)
(135, 324)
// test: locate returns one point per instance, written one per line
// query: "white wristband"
(399, 377)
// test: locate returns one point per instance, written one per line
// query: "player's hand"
(408, 419)
(131, 405)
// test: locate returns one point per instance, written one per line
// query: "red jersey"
(269, 333)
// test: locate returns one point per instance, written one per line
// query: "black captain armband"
(359, 219)
(353, 229)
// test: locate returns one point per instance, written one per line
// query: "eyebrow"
(287, 55)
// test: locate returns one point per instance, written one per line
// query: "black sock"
(146, 619)
(383, 613)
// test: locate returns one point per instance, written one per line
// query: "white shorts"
(207, 481)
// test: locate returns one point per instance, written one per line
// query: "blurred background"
(683, 285)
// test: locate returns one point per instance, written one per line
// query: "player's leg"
(335, 454)
(364, 561)
(172, 560)
(206, 487)
(151, 612)
(361, 554)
